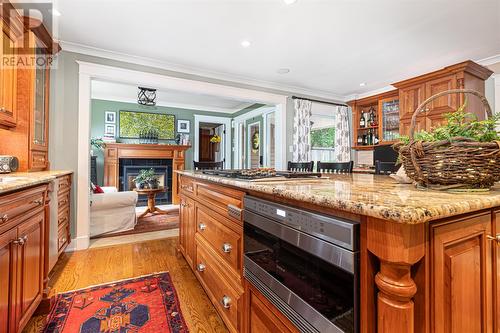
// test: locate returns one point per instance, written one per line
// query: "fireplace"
(129, 168)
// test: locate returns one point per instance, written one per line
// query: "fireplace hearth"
(129, 169)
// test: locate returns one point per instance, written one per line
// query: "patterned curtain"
(302, 131)
(342, 139)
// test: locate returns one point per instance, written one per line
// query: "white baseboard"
(78, 244)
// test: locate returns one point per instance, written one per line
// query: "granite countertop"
(18, 180)
(371, 195)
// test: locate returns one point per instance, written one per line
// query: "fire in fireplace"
(130, 167)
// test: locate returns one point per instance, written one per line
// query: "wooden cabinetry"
(187, 229)
(262, 316)
(63, 213)
(22, 256)
(414, 91)
(496, 271)
(10, 35)
(386, 129)
(210, 239)
(24, 91)
(461, 278)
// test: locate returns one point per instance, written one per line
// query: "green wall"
(99, 107)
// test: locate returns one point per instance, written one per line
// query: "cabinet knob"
(226, 247)
(4, 218)
(201, 267)
(2, 109)
(37, 202)
(494, 238)
(226, 302)
(202, 226)
(21, 240)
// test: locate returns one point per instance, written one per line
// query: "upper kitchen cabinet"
(412, 92)
(28, 141)
(375, 120)
(9, 41)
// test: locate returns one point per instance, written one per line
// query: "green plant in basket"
(460, 124)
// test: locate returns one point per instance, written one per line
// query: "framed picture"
(183, 126)
(132, 123)
(109, 130)
(110, 117)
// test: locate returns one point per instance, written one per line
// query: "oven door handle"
(327, 251)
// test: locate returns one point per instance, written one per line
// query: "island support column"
(398, 246)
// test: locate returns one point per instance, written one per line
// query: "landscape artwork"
(132, 123)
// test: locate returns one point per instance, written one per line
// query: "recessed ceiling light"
(362, 84)
(289, 2)
(283, 71)
(245, 43)
(55, 12)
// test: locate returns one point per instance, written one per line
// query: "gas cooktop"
(261, 173)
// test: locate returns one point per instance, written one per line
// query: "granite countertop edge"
(396, 213)
(29, 179)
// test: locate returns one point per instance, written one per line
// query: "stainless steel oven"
(306, 264)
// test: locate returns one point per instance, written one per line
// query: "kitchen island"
(428, 260)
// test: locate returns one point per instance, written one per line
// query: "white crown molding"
(369, 93)
(489, 61)
(199, 72)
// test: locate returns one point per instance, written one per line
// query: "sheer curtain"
(342, 138)
(302, 131)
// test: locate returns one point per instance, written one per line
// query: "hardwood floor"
(95, 266)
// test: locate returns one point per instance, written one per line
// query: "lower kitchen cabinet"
(187, 229)
(22, 257)
(262, 316)
(461, 274)
(496, 272)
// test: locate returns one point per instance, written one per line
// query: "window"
(322, 132)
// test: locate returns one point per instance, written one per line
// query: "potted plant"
(141, 179)
(463, 154)
(152, 179)
(97, 144)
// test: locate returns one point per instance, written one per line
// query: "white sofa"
(112, 211)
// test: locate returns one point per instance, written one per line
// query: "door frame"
(87, 72)
(226, 140)
(262, 111)
(249, 139)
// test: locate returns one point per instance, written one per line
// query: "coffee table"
(151, 193)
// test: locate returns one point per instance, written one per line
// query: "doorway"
(255, 159)
(211, 142)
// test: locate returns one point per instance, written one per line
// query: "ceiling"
(179, 99)
(330, 46)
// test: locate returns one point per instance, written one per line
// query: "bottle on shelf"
(370, 137)
(376, 140)
(365, 140)
(360, 140)
(373, 118)
(362, 121)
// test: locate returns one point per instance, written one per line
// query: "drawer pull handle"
(226, 302)
(226, 248)
(494, 238)
(187, 188)
(21, 240)
(201, 267)
(38, 202)
(184, 204)
(202, 226)
(5, 218)
(234, 211)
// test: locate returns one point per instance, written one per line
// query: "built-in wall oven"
(306, 264)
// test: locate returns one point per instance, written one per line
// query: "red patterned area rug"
(146, 304)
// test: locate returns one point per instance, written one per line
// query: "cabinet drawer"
(38, 160)
(225, 201)
(186, 185)
(225, 241)
(19, 203)
(64, 184)
(226, 299)
(63, 236)
(63, 200)
(63, 216)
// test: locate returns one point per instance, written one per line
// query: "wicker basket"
(456, 163)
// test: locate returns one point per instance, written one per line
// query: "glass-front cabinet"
(39, 109)
(389, 111)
